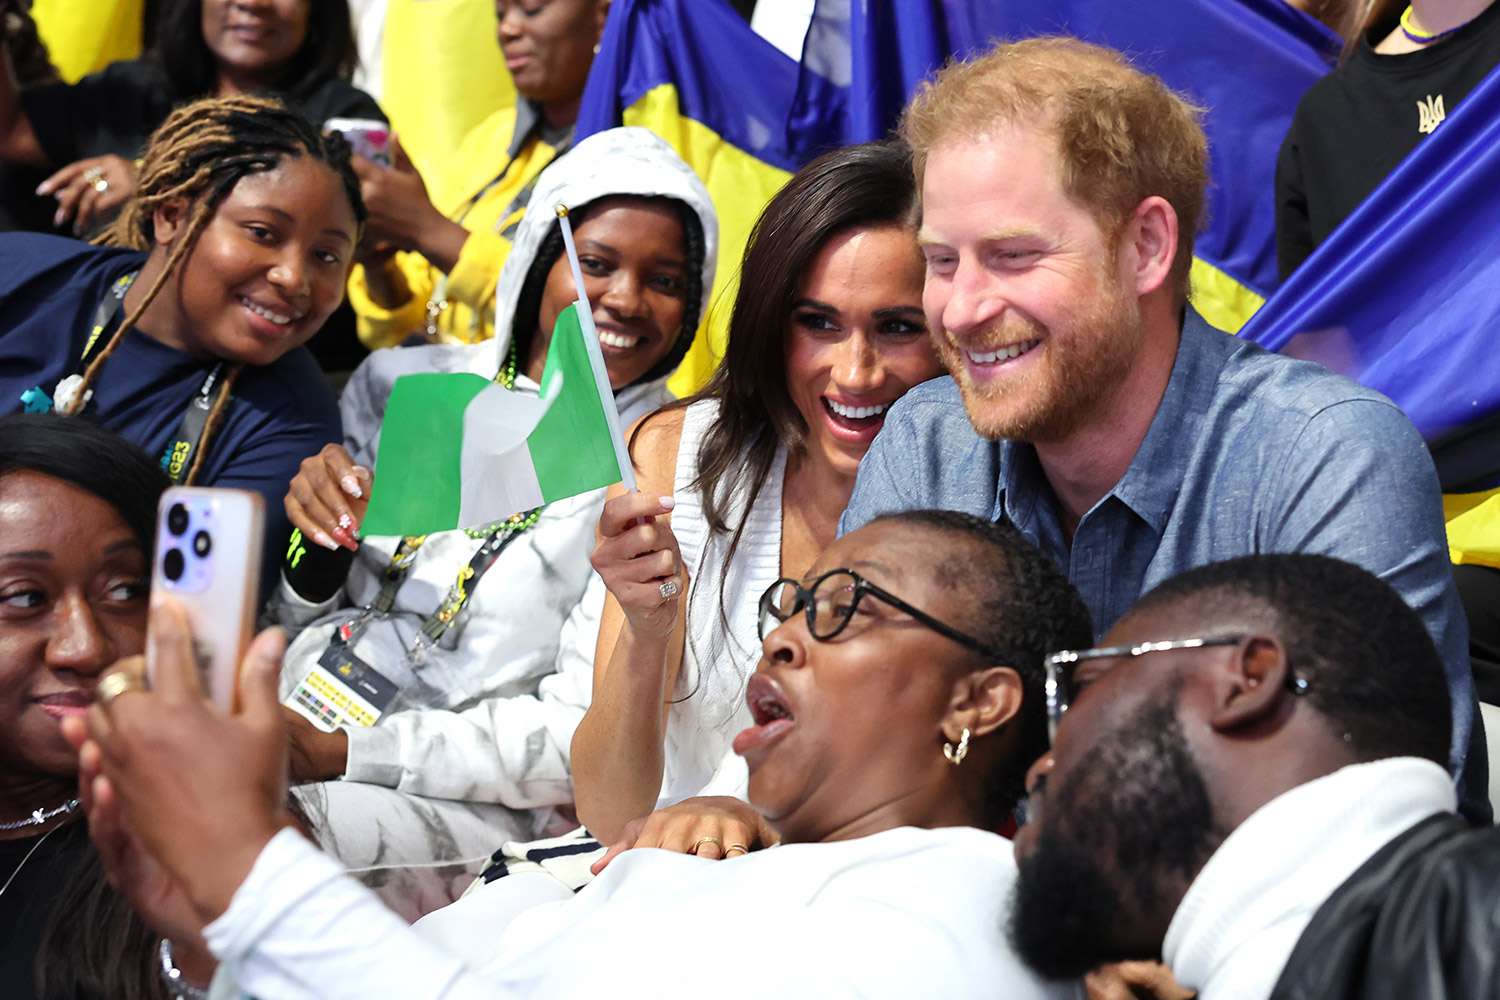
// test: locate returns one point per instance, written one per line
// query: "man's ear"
(1250, 688)
(1149, 244)
(169, 220)
(983, 701)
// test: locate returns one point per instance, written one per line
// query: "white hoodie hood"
(620, 161)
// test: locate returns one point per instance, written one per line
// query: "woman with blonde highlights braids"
(184, 333)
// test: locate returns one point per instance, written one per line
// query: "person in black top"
(1405, 72)
(91, 131)
(1407, 69)
(77, 512)
(185, 335)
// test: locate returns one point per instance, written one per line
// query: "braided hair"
(529, 301)
(199, 154)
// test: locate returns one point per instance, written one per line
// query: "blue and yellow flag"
(694, 73)
(1247, 62)
(1405, 297)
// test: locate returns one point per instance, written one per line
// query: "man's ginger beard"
(1082, 363)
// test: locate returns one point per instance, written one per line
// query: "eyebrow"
(601, 247)
(42, 555)
(926, 238)
(286, 216)
(888, 312)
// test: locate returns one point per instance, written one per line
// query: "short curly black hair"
(1016, 599)
(1371, 667)
(529, 301)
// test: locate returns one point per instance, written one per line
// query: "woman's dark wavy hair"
(89, 457)
(328, 51)
(854, 187)
(94, 944)
(529, 300)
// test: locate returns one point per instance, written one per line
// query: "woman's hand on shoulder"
(328, 497)
(714, 827)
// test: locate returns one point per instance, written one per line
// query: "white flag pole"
(596, 355)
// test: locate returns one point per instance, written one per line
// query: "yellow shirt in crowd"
(480, 189)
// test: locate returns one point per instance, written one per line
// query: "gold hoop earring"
(956, 755)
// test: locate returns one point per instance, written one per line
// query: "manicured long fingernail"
(351, 486)
(667, 503)
(323, 540)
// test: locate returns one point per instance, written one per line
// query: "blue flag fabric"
(694, 73)
(1246, 61)
(1405, 295)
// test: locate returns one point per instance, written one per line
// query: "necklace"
(40, 816)
(34, 848)
(1413, 33)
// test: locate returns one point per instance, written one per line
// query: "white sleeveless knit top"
(722, 647)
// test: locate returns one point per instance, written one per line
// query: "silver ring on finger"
(669, 589)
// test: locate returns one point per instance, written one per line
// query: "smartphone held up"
(208, 549)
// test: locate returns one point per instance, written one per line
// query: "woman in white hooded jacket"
(473, 750)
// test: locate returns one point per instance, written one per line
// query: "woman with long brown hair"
(744, 483)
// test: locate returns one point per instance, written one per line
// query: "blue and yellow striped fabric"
(1405, 297)
(694, 73)
(1246, 62)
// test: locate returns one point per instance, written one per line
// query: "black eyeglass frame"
(1054, 664)
(862, 587)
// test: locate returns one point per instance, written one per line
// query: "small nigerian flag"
(459, 451)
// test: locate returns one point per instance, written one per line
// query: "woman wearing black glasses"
(891, 719)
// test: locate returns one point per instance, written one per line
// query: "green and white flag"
(460, 451)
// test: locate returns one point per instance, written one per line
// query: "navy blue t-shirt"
(50, 290)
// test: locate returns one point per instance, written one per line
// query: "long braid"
(215, 414)
(201, 214)
(197, 156)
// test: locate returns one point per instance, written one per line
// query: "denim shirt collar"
(1153, 480)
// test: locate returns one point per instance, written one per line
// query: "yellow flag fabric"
(84, 36)
(1473, 527)
(740, 186)
(442, 74)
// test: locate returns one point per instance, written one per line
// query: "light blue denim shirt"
(1249, 452)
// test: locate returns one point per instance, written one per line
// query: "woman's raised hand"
(711, 826)
(401, 213)
(201, 791)
(328, 498)
(638, 559)
(88, 190)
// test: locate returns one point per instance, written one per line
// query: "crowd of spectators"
(989, 623)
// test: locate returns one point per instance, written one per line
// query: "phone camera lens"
(202, 544)
(177, 519)
(172, 564)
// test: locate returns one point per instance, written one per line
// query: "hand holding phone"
(208, 548)
(366, 136)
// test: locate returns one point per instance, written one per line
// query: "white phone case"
(208, 555)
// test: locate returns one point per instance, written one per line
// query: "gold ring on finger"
(670, 589)
(116, 683)
(93, 173)
(100, 184)
(705, 840)
(736, 847)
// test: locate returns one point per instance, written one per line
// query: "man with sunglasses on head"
(1090, 405)
(1248, 781)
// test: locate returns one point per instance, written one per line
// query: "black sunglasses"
(831, 600)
